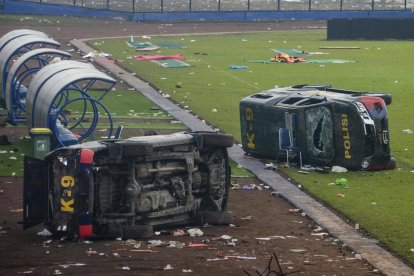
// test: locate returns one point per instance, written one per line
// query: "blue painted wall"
(20, 7)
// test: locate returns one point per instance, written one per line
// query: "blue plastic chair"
(285, 145)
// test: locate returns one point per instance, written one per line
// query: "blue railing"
(148, 6)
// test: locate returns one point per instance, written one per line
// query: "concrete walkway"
(366, 247)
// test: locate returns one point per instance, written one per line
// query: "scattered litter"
(91, 252)
(317, 229)
(303, 172)
(275, 193)
(320, 234)
(225, 237)
(270, 166)
(197, 245)
(57, 272)
(195, 232)
(96, 54)
(16, 211)
(237, 257)
(342, 182)
(299, 250)
(271, 238)
(155, 243)
(187, 270)
(160, 57)
(412, 250)
(246, 218)
(238, 67)
(263, 239)
(168, 267)
(176, 244)
(294, 210)
(235, 186)
(356, 226)
(126, 268)
(252, 187)
(358, 257)
(340, 195)
(142, 251)
(338, 169)
(44, 233)
(12, 157)
(408, 131)
(241, 257)
(214, 110)
(70, 264)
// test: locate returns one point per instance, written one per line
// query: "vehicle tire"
(386, 97)
(131, 149)
(217, 217)
(137, 231)
(216, 139)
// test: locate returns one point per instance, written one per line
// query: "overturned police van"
(128, 188)
(320, 125)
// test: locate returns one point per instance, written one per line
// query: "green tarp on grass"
(171, 45)
(171, 63)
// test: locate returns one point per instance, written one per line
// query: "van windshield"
(319, 133)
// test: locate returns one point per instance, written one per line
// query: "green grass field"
(380, 202)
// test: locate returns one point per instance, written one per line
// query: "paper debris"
(168, 267)
(178, 233)
(44, 233)
(299, 250)
(195, 232)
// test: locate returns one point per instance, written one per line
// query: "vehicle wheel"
(216, 139)
(217, 217)
(131, 149)
(386, 97)
(137, 231)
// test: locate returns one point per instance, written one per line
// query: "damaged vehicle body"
(128, 188)
(322, 125)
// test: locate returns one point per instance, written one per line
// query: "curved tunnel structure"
(59, 99)
(10, 36)
(17, 47)
(20, 75)
(42, 87)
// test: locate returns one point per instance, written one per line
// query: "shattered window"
(319, 133)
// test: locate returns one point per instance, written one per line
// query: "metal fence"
(236, 5)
